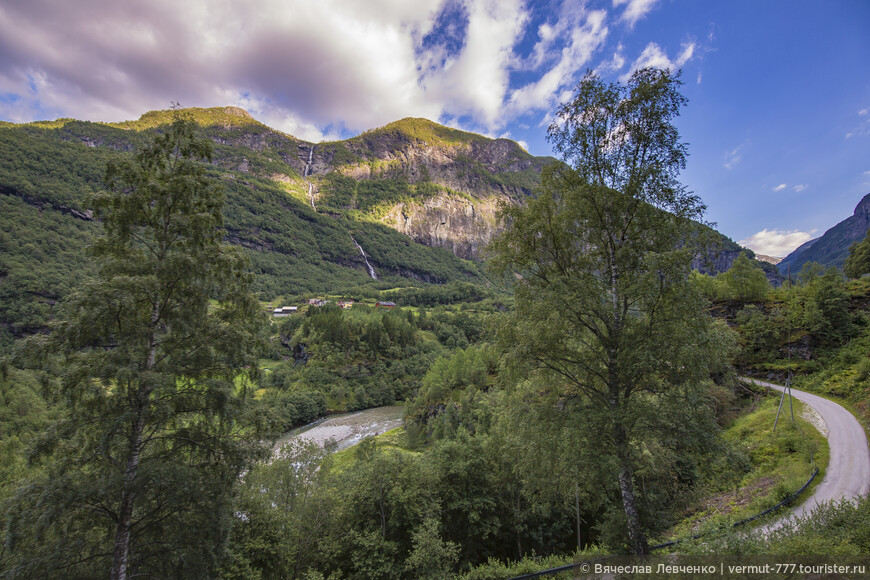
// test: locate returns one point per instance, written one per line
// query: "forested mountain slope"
(284, 202)
(419, 199)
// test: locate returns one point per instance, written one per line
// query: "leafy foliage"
(840, 529)
(858, 262)
(359, 358)
(743, 281)
(604, 275)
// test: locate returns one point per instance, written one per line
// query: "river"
(347, 429)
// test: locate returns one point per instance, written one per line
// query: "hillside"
(417, 198)
(832, 248)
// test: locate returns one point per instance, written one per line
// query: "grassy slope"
(780, 463)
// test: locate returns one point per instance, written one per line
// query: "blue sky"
(778, 120)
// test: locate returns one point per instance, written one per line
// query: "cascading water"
(305, 173)
(368, 266)
(307, 170)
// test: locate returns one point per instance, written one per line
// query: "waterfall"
(305, 173)
(368, 266)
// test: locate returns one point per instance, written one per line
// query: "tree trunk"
(636, 538)
(139, 401)
(517, 526)
(577, 513)
(121, 552)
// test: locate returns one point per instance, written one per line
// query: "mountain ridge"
(418, 198)
(832, 247)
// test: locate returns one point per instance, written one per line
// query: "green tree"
(744, 280)
(605, 311)
(824, 305)
(431, 557)
(155, 348)
(858, 262)
(286, 506)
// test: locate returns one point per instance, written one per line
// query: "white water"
(347, 429)
(368, 266)
(305, 173)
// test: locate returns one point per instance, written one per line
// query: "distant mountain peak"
(769, 259)
(863, 207)
(832, 248)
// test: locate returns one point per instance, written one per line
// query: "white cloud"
(476, 81)
(313, 69)
(862, 129)
(615, 63)
(780, 187)
(779, 243)
(654, 56)
(800, 187)
(635, 10)
(306, 66)
(585, 34)
(733, 157)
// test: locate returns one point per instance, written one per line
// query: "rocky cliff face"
(439, 186)
(465, 176)
(458, 224)
(446, 183)
(421, 151)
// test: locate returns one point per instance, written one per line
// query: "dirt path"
(848, 472)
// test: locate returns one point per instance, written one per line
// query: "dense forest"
(574, 396)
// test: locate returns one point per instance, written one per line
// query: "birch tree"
(604, 308)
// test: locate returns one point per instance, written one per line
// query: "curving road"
(848, 473)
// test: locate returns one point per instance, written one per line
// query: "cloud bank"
(778, 243)
(314, 69)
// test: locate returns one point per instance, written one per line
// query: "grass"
(392, 441)
(781, 462)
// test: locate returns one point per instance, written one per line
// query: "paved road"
(848, 473)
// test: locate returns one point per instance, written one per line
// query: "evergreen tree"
(155, 350)
(605, 311)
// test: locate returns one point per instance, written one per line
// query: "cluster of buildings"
(316, 302)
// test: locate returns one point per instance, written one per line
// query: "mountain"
(413, 200)
(832, 248)
(769, 259)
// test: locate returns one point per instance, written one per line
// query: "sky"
(777, 121)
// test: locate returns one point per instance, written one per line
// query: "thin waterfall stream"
(363, 254)
(305, 173)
